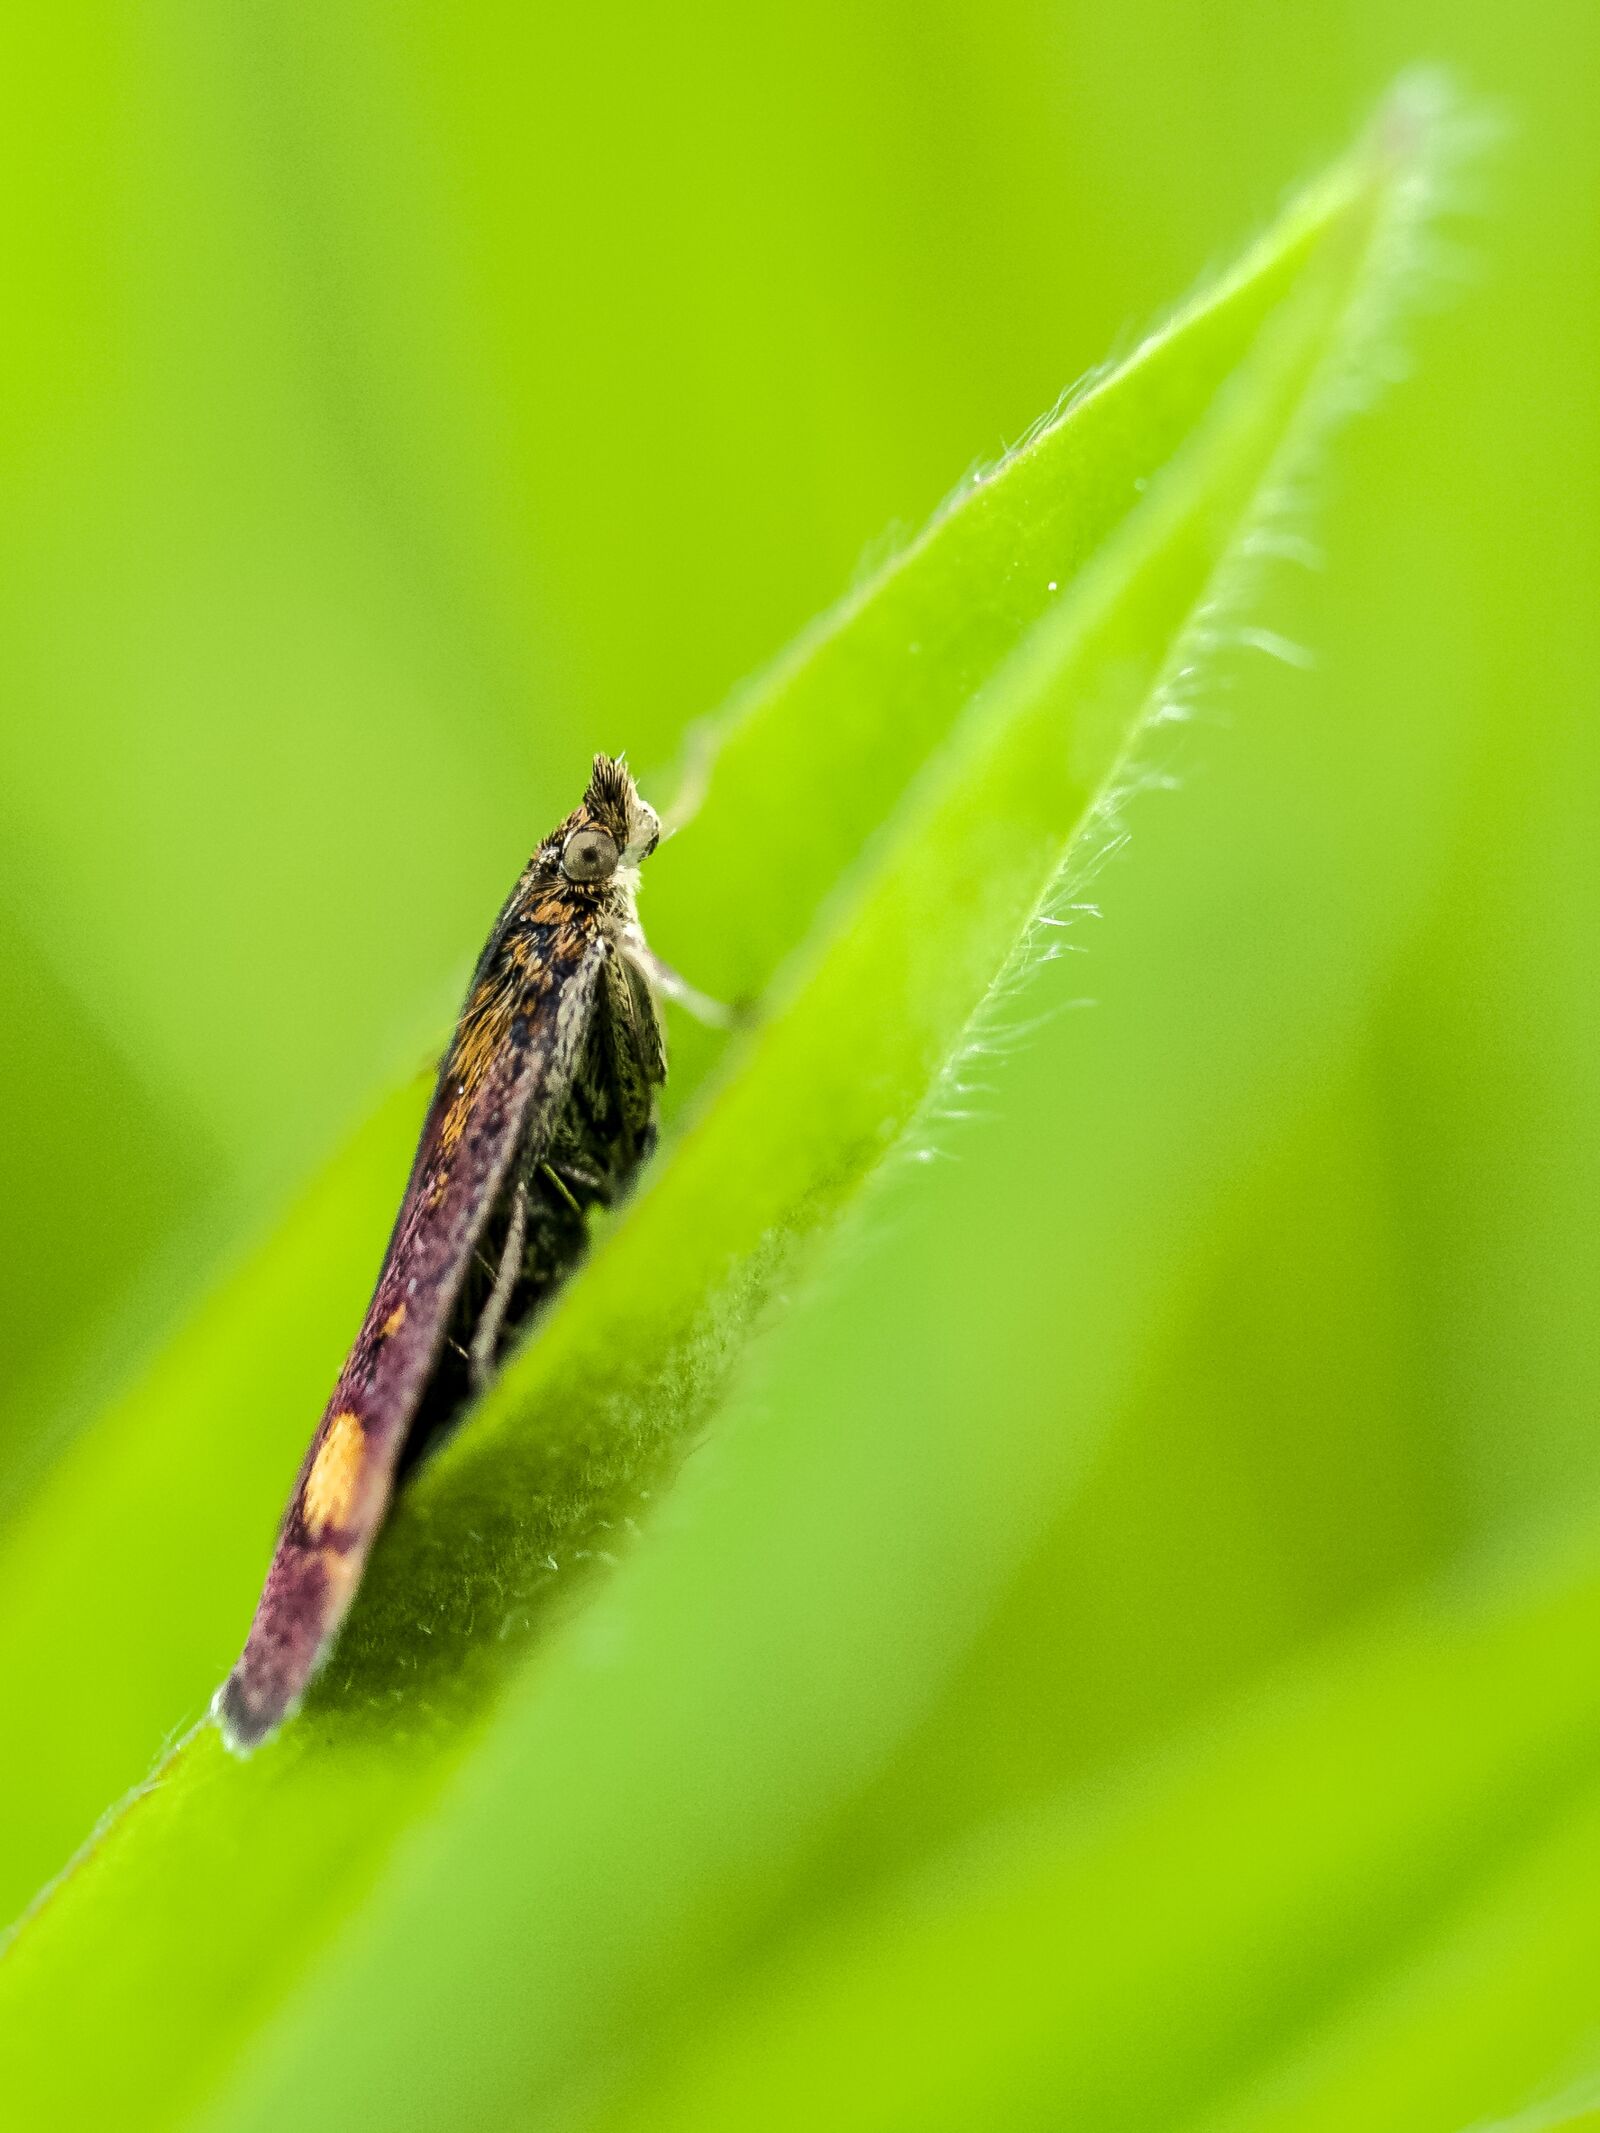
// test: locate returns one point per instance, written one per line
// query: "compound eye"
(589, 855)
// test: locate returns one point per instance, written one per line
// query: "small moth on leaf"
(544, 1108)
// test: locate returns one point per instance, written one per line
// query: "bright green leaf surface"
(397, 404)
(1291, 1861)
(1495, 2004)
(964, 716)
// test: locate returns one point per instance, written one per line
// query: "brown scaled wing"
(499, 1098)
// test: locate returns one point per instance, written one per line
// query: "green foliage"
(1092, 1626)
(896, 802)
(859, 1021)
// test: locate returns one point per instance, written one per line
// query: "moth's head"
(611, 829)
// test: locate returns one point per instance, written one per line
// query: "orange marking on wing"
(335, 1474)
(484, 1028)
(393, 1323)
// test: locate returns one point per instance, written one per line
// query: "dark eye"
(589, 855)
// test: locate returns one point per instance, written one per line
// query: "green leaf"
(1391, 1851)
(888, 811)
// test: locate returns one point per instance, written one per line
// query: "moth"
(544, 1109)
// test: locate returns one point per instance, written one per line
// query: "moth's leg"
(564, 1176)
(557, 1177)
(713, 1013)
(486, 1334)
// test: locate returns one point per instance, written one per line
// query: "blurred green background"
(399, 403)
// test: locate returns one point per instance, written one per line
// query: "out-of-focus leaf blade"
(1406, 1826)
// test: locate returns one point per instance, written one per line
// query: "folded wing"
(499, 1095)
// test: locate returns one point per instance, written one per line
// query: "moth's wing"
(638, 1046)
(501, 1087)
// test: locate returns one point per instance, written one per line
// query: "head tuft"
(611, 786)
(612, 799)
